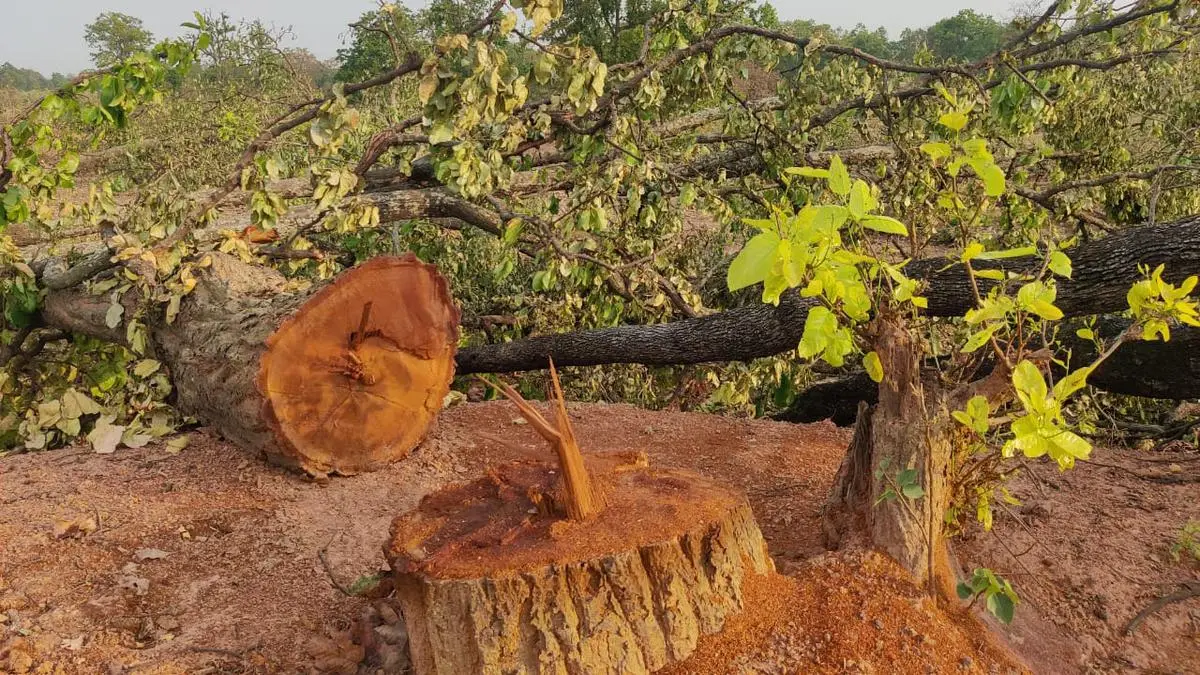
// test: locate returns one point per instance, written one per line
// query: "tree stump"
(492, 580)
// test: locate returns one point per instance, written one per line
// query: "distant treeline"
(27, 79)
(966, 36)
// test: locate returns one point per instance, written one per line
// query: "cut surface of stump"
(492, 579)
(354, 378)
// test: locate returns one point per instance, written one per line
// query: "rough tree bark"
(339, 379)
(909, 428)
(1104, 271)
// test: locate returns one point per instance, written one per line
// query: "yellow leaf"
(874, 366)
(955, 121)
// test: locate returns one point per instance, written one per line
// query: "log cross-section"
(354, 379)
(342, 378)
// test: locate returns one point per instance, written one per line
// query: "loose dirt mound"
(855, 613)
(241, 588)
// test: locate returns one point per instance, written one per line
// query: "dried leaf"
(150, 554)
(105, 437)
(74, 527)
(139, 585)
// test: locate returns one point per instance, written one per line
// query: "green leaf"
(975, 416)
(753, 263)
(1066, 447)
(687, 195)
(1060, 264)
(1008, 253)
(1038, 297)
(1072, 383)
(955, 121)
(825, 336)
(861, 201)
(936, 150)
(441, 133)
(980, 338)
(991, 175)
(1030, 385)
(885, 225)
(913, 491)
(839, 178)
(1001, 606)
(827, 218)
(873, 366)
(1086, 334)
(964, 591)
(512, 231)
(807, 171)
(976, 148)
(971, 252)
(178, 443)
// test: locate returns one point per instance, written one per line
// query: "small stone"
(150, 554)
(387, 614)
(965, 663)
(394, 634)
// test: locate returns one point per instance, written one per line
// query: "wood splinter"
(582, 500)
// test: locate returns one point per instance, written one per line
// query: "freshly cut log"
(343, 378)
(492, 579)
(355, 377)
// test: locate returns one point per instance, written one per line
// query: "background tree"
(966, 36)
(115, 37)
(610, 27)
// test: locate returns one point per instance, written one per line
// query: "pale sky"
(47, 35)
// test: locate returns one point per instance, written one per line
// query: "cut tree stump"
(492, 580)
(343, 377)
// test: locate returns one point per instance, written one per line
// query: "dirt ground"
(209, 561)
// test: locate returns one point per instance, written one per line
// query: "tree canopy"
(114, 37)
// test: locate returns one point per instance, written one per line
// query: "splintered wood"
(582, 499)
(356, 376)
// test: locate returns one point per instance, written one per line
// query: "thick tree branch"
(1104, 271)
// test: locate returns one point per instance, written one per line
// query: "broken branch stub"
(582, 500)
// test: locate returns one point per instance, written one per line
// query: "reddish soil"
(851, 613)
(1087, 550)
(242, 588)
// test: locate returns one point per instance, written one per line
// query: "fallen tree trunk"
(1103, 272)
(341, 379)
(1167, 370)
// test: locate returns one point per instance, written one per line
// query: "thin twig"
(1188, 589)
(323, 555)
